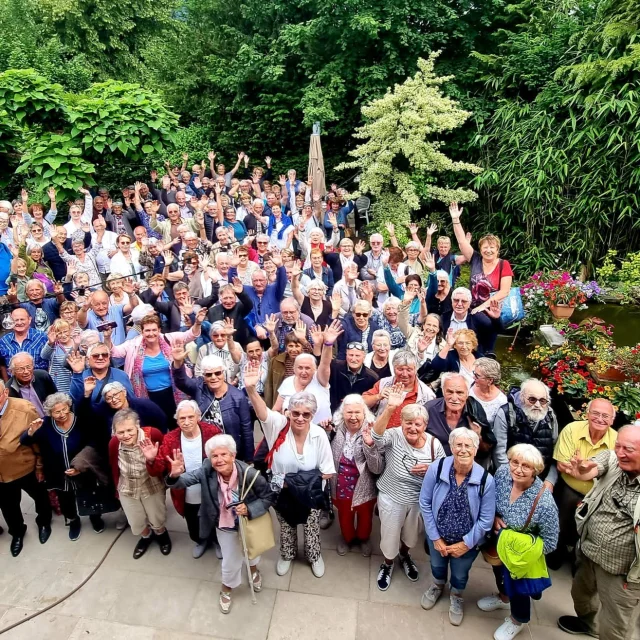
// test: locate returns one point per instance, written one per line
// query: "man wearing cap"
(120, 219)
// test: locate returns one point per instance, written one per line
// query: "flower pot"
(562, 311)
(610, 375)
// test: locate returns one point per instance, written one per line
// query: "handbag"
(257, 532)
(489, 549)
(512, 306)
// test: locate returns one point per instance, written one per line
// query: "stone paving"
(175, 597)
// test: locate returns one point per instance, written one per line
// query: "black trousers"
(166, 401)
(193, 523)
(69, 507)
(10, 496)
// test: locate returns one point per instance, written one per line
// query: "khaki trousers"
(151, 511)
(595, 589)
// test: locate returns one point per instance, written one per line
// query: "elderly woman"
(314, 304)
(148, 360)
(143, 496)
(458, 354)
(245, 266)
(522, 505)
(281, 366)
(221, 404)
(458, 504)
(354, 487)
(220, 333)
(36, 266)
(317, 270)
(69, 312)
(408, 452)
(486, 376)
(82, 261)
(308, 376)
(127, 259)
(300, 454)
(388, 320)
(379, 359)
(491, 276)
(412, 287)
(56, 350)
(405, 366)
(61, 437)
(190, 439)
(221, 478)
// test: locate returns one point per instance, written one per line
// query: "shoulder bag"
(258, 532)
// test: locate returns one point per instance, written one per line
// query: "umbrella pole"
(246, 559)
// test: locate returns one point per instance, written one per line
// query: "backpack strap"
(440, 465)
(483, 482)
(433, 448)
(533, 507)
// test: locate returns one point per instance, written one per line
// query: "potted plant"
(589, 336)
(605, 367)
(627, 360)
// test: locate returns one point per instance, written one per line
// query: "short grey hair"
(225, 229)
(413, 411)
(89, 333)
(20, 354)
(601, 400)
(54, 399)
(221, 440)
(353, 398)
(390, 300)
(290, 301)
(490, 367)
(381, 333)
(317, 284)
(462, 291)
(304, 399)
(529, 454)
(212, 362)
(404, 357)
(118, 387)
(172, 206)
(124, 415)
(531, 381)
(38, 282)
(185, 404)
(452, 375)
(463, 432)
(304, 356)
(362, 304)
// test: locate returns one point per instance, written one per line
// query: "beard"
(534, 414)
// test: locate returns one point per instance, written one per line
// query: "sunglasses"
(356, 345)
(543, 401)
(360, 314)
(99, 355)
(211, 374)
(302, 414)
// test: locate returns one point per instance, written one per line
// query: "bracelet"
(328, 344)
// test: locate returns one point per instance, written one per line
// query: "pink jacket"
(129, 349)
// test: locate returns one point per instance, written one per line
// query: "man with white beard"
(528, 418)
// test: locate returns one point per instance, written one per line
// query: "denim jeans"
(460, 567)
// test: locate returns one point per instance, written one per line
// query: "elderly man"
(23, 338)
(169, 228)
(606, 586)
(528, 418)
(98, 310)
(347, 287)
(288, 320)
(20, 470)
(52, 254)
(373, 266)
(99, 367)
(587, 438)
(120, 219)
(405, 366)
(43, 311)
(29, 383)
(449, 412)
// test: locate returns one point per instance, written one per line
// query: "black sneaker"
(97, 523)
(575, 626)
(75, 527)
(410, 569)
(384, 576)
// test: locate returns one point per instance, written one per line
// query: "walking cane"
(246, 558)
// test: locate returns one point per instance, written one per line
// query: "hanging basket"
(562, 311)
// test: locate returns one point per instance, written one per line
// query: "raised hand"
(300, 331)
(276, 257)
(295, 269)
(229, 329)
(211, 155)
(90, 383)
(128, 286)
(409, 295)
(336, 301)
(251, 375)
(422, 344)
(13, 290)
(52, 194)
(432, 228)
(359, 247)
(185, 157)
(51, 336)
(317, 335)
(76, 362)
(495, 308)
(154, 175)
(396, 396)
(391, 229)
(201, 315)
(149, 449)
(366, 435)
(237, 285)
(35, 425)
(199, 218)
(282, 180)
(178, 354)
(429, 261)
(268, 161)
(168, 257)
(455, 211)
(176, 463)
(451, 338)
(413, 228)
(270, 322)
(86, 227)
(332, 332)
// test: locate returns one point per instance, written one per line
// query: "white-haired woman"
(522, 505)
(358, 326)
(486, 376)
(308, 376)
(221, 478)
(408, 452)
(380, 358)
(314, 304)
(298, 450)
(458, 504)
(354, 487)
(143, 496)
(189, 438)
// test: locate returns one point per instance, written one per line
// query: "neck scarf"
(225, 497)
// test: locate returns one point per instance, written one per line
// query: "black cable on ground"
(68, 595)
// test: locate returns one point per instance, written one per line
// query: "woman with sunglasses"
(408, 452)
(221, 404)
(486, 376)
(127, 259)
(296, 444)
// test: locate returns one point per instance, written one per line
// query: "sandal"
(257, 580)
(225, 601)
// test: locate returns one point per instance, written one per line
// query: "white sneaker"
(218, 550)
(283, 566)
(507, 630)
(456, 610)
(492, 603)
(318, 567)
(431, 596)
(199, 550)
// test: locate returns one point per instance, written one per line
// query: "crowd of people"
(152, 336)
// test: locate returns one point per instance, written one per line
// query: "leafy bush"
(621, 277)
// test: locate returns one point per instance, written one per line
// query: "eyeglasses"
(24, 369)
(307, 415)
(112, 396)
(458, 301)
(543, 401)
(262, 242)
(477, 376)
(598, 415)
(460, 446)
(124, 242)
(99, 355)
(356, 345)
(211, 374)
(522, 465)
(359, 314)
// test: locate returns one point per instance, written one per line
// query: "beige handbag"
(258, 532)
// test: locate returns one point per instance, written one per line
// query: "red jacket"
(114, 444)
(161, 465)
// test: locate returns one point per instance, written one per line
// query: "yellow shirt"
(576, 436)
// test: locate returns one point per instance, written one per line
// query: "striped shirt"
(400, 457)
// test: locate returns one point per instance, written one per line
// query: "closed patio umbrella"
(316, 162)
